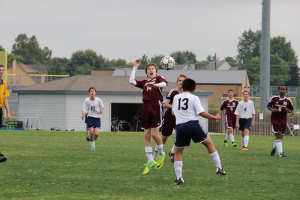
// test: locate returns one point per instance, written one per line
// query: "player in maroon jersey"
(151, 111)
(229, 105)
(169, 121)
(280, 106)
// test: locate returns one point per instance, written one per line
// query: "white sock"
(226, 137)
(231, 138)
(178, 168)
(92, 143)
(172, 150)
(148, 151)
(274, 145)
(279, 146)
(246, 140)
(160, 149)
(155, 153)
(243, 141)
(216, 159)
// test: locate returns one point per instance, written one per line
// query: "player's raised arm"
(132, 75)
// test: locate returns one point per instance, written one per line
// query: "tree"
(11, 57)
(117, 63)
(294, 74)
(184, 57)
(31, 51)
(279, 46)
(144, 62)
(279, 71)
(231, 61)
(156, 59)
(58, 66)
(1, 48)
(210, 58)
(248, 46)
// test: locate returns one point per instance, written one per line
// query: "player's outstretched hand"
(218, 117)
(137, 62)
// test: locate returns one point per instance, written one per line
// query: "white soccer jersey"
(92, 108)
(245, 109)
(186, 107)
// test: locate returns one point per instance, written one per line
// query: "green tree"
(279, 71)
(184, 57)
(279, 46)
(231, 61)
(144, 62)
(1, 48)
(294, 76)
(11, 57)
(210, 58)
(157, 59)
(248, 46)
(31, 51)
(58, 66)
(201, 64)
(117, 63)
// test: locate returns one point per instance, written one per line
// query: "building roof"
(215, 65)
(202, 77)
(40, 69)
(103, 84)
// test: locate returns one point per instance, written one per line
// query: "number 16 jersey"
(186, 107)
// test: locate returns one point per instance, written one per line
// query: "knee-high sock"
(231, 138)
(246, 140)
(279, 146)
(148, 151)
(178, 168)
(216, 159)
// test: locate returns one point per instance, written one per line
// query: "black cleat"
(179, 181)
(273, 151)
(220, 171)
(2, 158)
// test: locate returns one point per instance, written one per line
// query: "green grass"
(60, 165)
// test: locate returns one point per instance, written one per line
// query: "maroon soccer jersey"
(279, 117)
(229, 106)
(169, 119)
(151, 93)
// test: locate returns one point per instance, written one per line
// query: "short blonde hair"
(181, 75)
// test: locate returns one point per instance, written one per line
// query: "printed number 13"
(185, 102)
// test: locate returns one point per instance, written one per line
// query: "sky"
(128, 29)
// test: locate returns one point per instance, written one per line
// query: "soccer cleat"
(282, 155)
(2, 158)
(245, 148)
(179, 181)
(172, 157)
(220, 171)
(149, 166)
(225, 144)
(93, 148)
(160, 161)
(273, 151)
(96, 137)
(233, 144)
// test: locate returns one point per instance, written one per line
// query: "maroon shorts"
(278, 128)
(151, 115)
(230, 121)
(167, 127)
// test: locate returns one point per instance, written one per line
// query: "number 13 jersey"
(186, 107)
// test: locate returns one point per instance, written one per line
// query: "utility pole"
(265, 56)
(215, 61)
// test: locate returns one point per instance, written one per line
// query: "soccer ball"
(167, 62)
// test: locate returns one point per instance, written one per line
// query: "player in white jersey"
(245, 118)
(93, 107)
(186, 108)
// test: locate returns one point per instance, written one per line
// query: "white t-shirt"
(245, 109)
(186, 107)
(92, 108)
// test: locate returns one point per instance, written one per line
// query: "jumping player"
(169, 121)
(279, 105)
(151, 111)
(229, 105)
(93, 107)
(186, 108)
(245, 118)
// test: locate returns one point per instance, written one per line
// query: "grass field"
(60, 165)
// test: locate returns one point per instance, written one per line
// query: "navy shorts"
(191, 130)
(93, 122)
(245, 124)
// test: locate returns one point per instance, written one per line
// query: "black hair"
(230, 90)
(189, 85)
(282, 86)
(92, 88)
